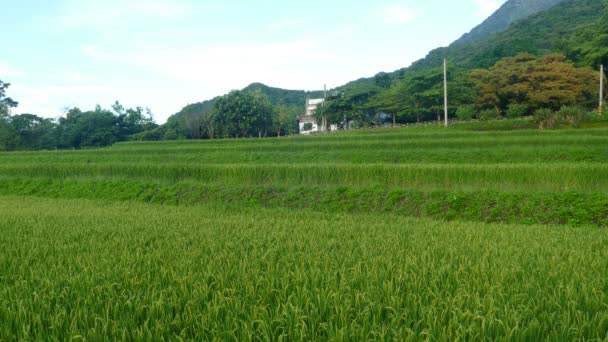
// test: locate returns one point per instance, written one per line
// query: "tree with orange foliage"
(546, 82)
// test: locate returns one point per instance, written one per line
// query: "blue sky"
(164, 54)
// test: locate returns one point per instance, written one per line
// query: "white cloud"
(114, 14)
(8, 72)
(202, 72)
(42, 99)
(287, 24)
(224, 66)
(399, 14)
(485, 8)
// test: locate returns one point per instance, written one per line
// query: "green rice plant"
(105, 271)
(311, 238)
(524, 206)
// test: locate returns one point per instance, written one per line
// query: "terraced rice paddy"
(383, 234)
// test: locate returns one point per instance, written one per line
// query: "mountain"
(500, 21)
(575, 28)
(278, 96)
(507, 14)
(559, 29)
(293, 100)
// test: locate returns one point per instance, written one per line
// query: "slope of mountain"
(575, 28)
(559, 29)
(510, 12)
(294, 100)
(278, 96)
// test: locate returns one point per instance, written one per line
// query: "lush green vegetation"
(100, 270)
(572, 33)
(197, 121)
(486, 230)
(466, 172)
(411, 233)
(506, 67)
(575, 28)
(510, 12)
(96, 128)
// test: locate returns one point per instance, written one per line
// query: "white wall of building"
(315, 128)
(312, 104)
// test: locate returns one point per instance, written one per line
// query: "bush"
(573, 115)
(488, 114)
(545, 118)
(466, 112)
(517, 110)
(595, 116)
(170, 134)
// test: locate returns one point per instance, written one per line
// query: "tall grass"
(88, 270)
(310, 238)
(556, 177)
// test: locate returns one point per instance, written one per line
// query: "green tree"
(419, 95)
(282, 120)
(352, 103)
(8, 137)
(96, 128)
(547, 82)
(34, 132)
(6, 103)
(133, 120)
(243, 114)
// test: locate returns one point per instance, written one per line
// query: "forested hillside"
(575, 29)
(510, 12)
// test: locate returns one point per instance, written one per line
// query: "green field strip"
(525, 207)
(78, 269)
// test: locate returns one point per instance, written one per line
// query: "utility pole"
(601, 89)
(445, 89)
(323, 106)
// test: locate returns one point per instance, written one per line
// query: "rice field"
(84, 270)
(404, 234)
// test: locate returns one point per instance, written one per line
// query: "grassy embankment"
(519, 176)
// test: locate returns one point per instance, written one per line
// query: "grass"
(73, 269)
(463, 233)
(499, 166)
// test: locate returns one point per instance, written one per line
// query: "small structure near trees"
(307, 123)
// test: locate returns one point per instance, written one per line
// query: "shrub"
(488, 114)
(595, 116)
(466, 112)
(517, 110)
(573, 115)
(545, 118)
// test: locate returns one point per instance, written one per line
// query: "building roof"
(307, 118)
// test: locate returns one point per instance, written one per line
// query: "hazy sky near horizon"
(165, 54)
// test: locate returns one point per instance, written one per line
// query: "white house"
(307, 122)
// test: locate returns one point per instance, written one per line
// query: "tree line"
(514, 87)
(78, 129)
(238, 114)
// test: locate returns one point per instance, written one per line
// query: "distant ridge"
(575, 28)
(508, 13)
